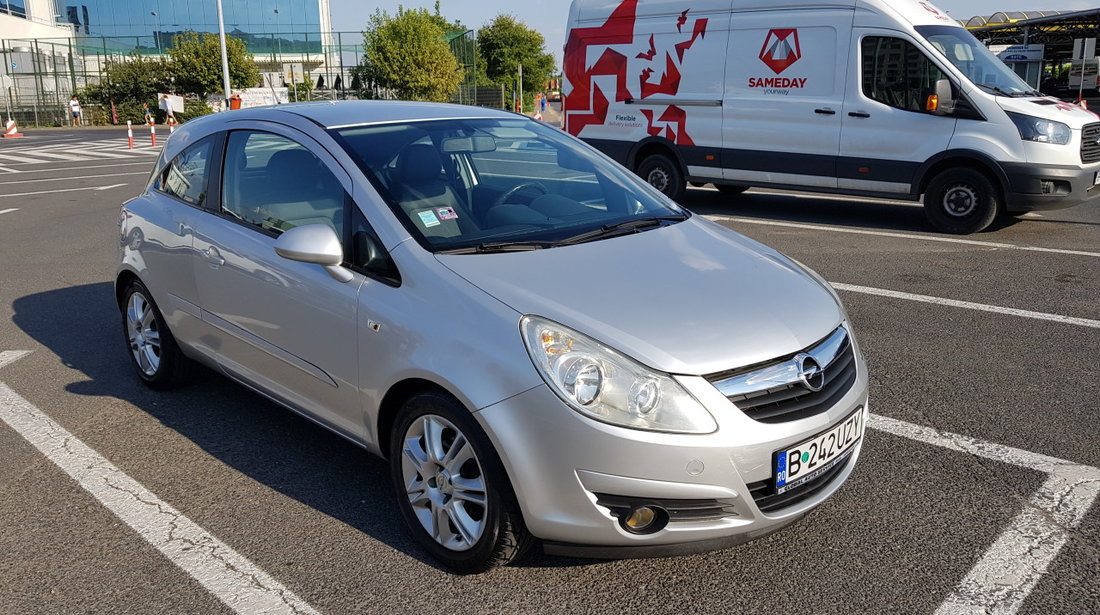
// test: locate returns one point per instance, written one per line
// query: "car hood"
(1050, 109)
(691, 298)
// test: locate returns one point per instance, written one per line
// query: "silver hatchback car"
(543, 347)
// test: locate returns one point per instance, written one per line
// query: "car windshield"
(976, 61)
(491, 185)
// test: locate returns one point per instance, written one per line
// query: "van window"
(897, 73)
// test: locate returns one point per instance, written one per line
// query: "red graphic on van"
(781, 49)
(587, 104)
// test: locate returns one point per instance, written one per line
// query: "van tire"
(664, 174)
(961, 201)
(731, 189)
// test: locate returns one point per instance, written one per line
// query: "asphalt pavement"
(976, 484)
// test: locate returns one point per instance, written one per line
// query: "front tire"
(451, 487)
(664, 174)
(154, 353)
(961, 201)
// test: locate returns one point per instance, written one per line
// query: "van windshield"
(501, 185)
(978, 63)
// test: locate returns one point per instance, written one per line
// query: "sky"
(548, 16)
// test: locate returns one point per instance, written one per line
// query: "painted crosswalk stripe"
(232, 578)
(8, 211)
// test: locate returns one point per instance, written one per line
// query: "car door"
(286, 328)
(887, 133)
(174, 202)
(785, 80)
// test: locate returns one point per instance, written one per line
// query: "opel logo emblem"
(811, 374)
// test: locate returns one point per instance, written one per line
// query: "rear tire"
(154, 353)
(452, 488)
(731, 189)
(664, 174)
(961, 201)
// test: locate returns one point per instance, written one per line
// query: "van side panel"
(785, 80)
(647, 71)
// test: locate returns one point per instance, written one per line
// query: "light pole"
(225, 56)
(156, 33)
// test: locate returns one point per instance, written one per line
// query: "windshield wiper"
(626, 227)
(996, 90)
(501, 246)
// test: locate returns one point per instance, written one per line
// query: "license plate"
(1096, 179)
(810, 459)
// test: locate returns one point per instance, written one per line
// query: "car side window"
(186, 176)
(276, 184)
(897, 73)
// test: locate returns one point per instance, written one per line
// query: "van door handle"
(213, 257)
(862, 114)
(824, 112)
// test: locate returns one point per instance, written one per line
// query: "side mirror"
(316, 244)
(943, 101)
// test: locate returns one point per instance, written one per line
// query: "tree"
(197, 64)
(506, 43)
(136, 79)
(407, 53)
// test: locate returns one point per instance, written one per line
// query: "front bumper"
(561, 464)
(1035, 187)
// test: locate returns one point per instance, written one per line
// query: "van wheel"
(961, 201)
(156, 357)
(663, 174)
(452, 488)
(731, 189)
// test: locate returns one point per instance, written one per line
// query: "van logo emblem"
(781, 49)
(810, 374)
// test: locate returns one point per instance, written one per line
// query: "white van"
(881, 98)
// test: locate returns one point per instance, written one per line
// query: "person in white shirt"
(74, 107)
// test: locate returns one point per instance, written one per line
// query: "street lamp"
(225, 56)
(156, 33)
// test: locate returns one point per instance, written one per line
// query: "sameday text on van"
(880, 98)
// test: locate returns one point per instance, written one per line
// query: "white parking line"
(841, 229)
(9, 170)
(231, 577)
(1011, 568)
(63, 190)
(8, 211)
(893, 294)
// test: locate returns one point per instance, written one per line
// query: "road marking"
(11, 356)
(55, 155)
(66, 169)
(1012, 567)
(229, 576)
(60, 179)
(63, 190)
(8, 211)
(9, 170)
(893, 294)
(839, 229)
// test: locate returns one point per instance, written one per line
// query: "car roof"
(333, 114)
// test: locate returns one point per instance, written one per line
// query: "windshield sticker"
(428, 219)
(447, 213)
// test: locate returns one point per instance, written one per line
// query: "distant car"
(555, 96)
(541, 344)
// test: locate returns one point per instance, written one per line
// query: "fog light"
(1048, 187)
(644, 520)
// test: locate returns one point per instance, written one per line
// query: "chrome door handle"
(213, 257)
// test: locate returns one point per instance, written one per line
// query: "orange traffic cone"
(11, 131)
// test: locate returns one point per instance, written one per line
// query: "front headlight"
(602, 384)
(1039, 130)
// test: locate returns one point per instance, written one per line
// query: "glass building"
(266, 26)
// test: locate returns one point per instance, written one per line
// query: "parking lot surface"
(975, 491)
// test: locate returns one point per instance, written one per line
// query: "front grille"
(678, 510)
(1090, 149)
(782, 401)
(763, 492)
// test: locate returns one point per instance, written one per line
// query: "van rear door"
(785, 80)
(887, 132)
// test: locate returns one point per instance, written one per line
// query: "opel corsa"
(543, 346)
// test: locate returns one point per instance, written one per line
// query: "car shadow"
(826, 209)
(265, 442)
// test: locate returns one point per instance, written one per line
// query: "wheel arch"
(952, 159)
(122, 280)
(654, 145)
(395, 397)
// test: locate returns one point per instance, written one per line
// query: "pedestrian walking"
(74, 109)
(148, 113)
(542, 102)
(166, 105)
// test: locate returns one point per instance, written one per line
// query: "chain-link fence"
(40, 75)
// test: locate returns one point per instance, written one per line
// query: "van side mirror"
(943, 101)
(316, 244)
